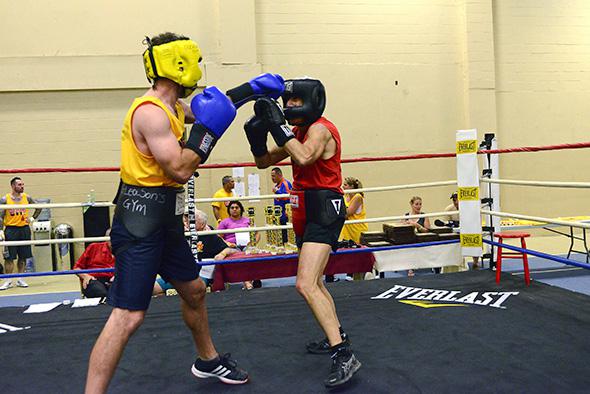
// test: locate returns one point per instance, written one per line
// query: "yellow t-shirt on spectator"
(222, 205)
(353, 231)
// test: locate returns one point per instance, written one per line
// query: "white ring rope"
(54, 241)
(234, 230)
(57, 205)
(536, 219)
(348, 191)
(234, 198)
(581, 185)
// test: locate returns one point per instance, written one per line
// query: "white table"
(448, 255)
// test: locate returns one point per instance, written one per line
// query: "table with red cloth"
(282, 266)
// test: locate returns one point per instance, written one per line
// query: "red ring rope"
(285, 163)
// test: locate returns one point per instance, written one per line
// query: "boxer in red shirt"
(316, 200)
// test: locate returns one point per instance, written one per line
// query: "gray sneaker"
(6, 285)
(344, 366)
(21, 283)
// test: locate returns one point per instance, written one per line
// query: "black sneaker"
(344, 365)
(222, 368)
(323, 346)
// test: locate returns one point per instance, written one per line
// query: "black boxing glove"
(256, 132)
(269, 112)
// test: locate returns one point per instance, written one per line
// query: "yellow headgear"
(176, 60)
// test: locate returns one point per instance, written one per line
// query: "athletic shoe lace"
(226, 360)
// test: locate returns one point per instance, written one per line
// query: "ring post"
(468, 193)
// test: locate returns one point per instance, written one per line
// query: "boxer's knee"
(306, 287)
(128, 321)
(192, 293)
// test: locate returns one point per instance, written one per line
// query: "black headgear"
(313, 94)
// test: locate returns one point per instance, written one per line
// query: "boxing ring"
(459, 332)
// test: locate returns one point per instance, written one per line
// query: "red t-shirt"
(323, 174)
(97, 255)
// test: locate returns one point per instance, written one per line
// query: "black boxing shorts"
(147, 238)
(318, 216)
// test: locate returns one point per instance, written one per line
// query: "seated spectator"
(453, 207)
(236, 219)
(209, 247)
(96, 255)
(421, 225)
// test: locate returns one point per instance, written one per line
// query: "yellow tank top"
(16, 217)
(353, 231)
(140, 169)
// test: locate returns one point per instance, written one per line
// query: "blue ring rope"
(237, 261)
(540, 254)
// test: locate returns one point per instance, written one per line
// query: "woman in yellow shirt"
(355, 209)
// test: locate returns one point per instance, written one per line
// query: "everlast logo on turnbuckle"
(469, 193)
(467, 146)
(432, 298)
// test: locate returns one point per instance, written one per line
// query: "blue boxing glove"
(271, 85)
(213, 112)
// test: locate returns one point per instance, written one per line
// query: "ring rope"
(290, 226)
(539, 254)
(234, 198)
(54, 241)
(581, 185)
(347, 191)
(59, 205)
(344, 161)
(228, 231)
(537, 219)
(239, 261)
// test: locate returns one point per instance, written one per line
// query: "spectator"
(282, 186)
(209, 247)
(421, 225)
(96, 255)
(16, 228)
(236, 219)
(220, 207)
(355, 209)
(453, 207)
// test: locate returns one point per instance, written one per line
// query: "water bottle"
(90, 200)
(30, 265)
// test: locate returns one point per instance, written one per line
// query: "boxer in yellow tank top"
(16, 228)
(147, 234)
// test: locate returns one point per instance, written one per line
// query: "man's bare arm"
(272, 157)
(152, 123)
(312, 149)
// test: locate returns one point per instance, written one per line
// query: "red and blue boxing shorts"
(318, 216)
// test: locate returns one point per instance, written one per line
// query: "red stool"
(513, 255)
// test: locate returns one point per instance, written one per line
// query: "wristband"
(240, 94)
(201, 141)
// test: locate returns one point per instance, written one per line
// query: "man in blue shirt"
(282, 186)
